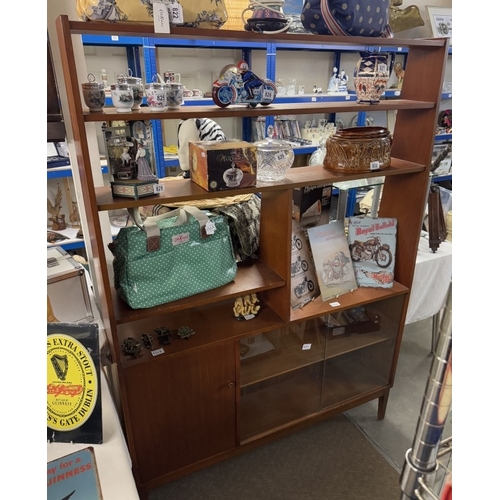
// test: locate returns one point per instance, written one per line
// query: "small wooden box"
(219, 165)
(133, 188)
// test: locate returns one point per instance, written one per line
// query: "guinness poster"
(74, 474)
(74, 411)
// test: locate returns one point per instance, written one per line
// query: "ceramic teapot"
(371, 75)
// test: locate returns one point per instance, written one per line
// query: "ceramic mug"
(197, 93)
(122, 95)
(187, 92)
(174, 95)
(171, 77)
(93, 93)
(156, 96)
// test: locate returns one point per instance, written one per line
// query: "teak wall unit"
(203, 401)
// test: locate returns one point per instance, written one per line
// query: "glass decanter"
(274, 158)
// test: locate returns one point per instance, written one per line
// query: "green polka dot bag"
(172, 256)
(347, 17)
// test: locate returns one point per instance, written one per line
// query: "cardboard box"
(219, 165)
(67, 288)
(310, 201)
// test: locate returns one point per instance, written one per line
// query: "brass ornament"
(404, 19)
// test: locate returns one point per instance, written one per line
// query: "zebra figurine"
(194, 130)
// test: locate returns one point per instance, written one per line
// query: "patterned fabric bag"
(172, 256)
(347, 17)
(244, 224)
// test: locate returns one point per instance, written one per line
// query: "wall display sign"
(332, 259)
(304, 283)
(372, 244)
(74, 476)
(74, 411)
(441, 23)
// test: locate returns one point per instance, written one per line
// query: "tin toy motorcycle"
(239, 85)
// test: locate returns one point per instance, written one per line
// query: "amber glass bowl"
(358, 149)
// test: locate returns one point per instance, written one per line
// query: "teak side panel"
(94, 240)
(413, 140)
(275, 245)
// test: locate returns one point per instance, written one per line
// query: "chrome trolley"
(426, 473)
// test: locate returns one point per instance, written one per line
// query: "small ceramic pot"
(174, 95)
(93, 93)
(137, 87)
(186, 93)
(122, 96)
(156, 96)
(358, 149)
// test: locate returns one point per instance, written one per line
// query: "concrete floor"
(394, 435)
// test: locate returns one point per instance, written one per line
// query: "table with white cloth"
(431, 282)
(114, 466)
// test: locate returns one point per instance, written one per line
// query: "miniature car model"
(239, 85)
(131, 347)
(164, 334)
(147, 340)
(185, 332)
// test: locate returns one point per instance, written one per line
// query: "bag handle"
(331, 23)
(152, 229)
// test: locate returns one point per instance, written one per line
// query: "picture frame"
(440, 19)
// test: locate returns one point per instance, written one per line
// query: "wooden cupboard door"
(182, 409)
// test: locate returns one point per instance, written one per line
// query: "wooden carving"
(57, 219)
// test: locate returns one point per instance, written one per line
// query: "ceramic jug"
(371, 75)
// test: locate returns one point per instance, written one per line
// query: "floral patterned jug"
(371, 75)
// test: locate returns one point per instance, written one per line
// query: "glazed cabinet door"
(182, 408)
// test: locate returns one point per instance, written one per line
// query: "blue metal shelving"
(149, 46)
(66, 172)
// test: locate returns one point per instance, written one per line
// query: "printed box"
(311, 201)
(219, 165)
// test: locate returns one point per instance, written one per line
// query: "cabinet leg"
(142, 492)
(382, 404)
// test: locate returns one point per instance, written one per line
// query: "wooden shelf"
(201, 321)
(251, 277)
(233, 111)
(147, 30)
(185, 190)
(360, 296)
